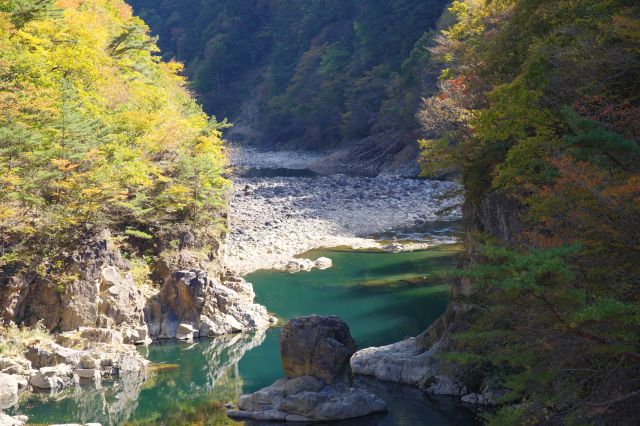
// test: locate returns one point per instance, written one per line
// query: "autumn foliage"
(540, 102)
(95, 132)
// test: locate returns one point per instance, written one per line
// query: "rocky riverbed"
(274, 219)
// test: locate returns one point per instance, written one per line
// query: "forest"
(525, 113)
(539, 103)
(310, 75)
(95, 132)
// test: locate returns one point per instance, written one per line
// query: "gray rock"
(53, 378)
(103, 294)
(473, 398)
(192, 298)
(7, 420)
(102, 335)
(315, 355)
(317, 346)
(89, 374)
(15, 365)
(407, 362)
(185, 332)
(8, 391)
(307, 399)
(323, 263)
(50, 354)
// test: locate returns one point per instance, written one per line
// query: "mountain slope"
(314, 75)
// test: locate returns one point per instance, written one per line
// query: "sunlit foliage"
(95, 131)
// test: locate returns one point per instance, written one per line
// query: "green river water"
(383, 297)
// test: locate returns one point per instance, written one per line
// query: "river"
(384, 297)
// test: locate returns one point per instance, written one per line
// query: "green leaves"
(96, 132)
(590, 140)
(24, 11)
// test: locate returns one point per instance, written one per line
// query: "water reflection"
(202, 376)
(110, 403)
(191, 383)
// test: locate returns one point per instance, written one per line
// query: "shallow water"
(383, 297)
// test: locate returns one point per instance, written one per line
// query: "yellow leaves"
(173, 70)
(96, 136)
(64, 165)
(627, 27)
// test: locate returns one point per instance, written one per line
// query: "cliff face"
(496, 214)
(193, 294)
(102, 294)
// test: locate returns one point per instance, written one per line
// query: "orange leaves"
(64, 165)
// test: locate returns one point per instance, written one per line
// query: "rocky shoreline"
(53, 363)
(272, 220)
(86, 330)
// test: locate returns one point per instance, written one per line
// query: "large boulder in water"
(317, 346)
(315, 354)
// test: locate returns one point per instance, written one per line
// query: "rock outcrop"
(317, 346)
(102, 294)
(8, 390)
(415, 361)
(192, 303)
(315, 354)
(408, 363)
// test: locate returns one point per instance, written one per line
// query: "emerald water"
(383, 297)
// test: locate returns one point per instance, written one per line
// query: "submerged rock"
(315, 354)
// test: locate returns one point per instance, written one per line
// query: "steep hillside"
(539, 107)
(315, 74)
(111, 180)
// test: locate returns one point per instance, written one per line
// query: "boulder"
(15, 365)
(53, 378)
(473, 399)
(297, 265)
(185, 332)
(407, 362)
(315, 354)
(323, 263)
(7, 420)
(50, 354)
(8, 391)
(136, 336)
(317, 346)
(307, 399)
(89, 374)
(102, 335)
(88, 360)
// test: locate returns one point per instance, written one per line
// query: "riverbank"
(274, 219)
